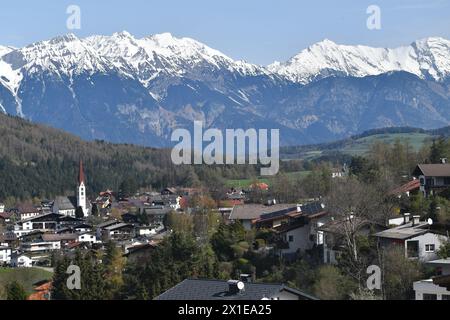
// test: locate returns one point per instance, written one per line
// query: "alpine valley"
(123, 89)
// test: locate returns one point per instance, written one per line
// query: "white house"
(417, 238)
(40, 246)
(21, 260)
(428, 289)
(5, 255)
(88, 237)
(303, 235)
(27, 212)
(147, 230)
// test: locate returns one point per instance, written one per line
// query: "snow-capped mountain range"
(124, 89)
(426, 58)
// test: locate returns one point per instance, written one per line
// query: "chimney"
(406, 217)
(245, 278)
(299, 208)
(235, 286)
(415, 220)
(444, 160)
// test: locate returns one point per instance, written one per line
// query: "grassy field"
(356, 147)
(359, 147)
(25, 276)
(244, 183)
(362, 146)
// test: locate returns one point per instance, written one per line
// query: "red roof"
(407, 187)
(260, 185)
(42, 292)
(81, 173)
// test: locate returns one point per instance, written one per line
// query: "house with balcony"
(433, 178)
(297, 228)
(263, 216)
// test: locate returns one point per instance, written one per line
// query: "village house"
(118, 232)
(302, 231)
(21, 260)
(28, 211)
(44, 222)
(334, 232)
(250, 214)
(88, 237)
(140, 253)
(156, 214)
(5, 255)
(243, 289)
(416, 237)
(433, 178)
(5, 217)
(436, 288)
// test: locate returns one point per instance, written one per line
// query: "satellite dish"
(240, 285)
(430, 222)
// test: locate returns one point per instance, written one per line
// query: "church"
(67, 205)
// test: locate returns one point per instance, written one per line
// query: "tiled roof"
(407, 187)
(195, 289)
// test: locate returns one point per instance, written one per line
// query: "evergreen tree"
(15, 291)
(438, 150)
(114, 264)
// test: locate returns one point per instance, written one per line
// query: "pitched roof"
(409, 186)
(255, 211)
(404, 231)
(51, 217)
(66, 203)
(202, 289)
(6, 215)
(433, 170)
(118, 226)
(28, 209)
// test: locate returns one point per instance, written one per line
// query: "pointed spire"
(81, 173)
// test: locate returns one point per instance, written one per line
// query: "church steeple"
(81, 190)
(81, 174)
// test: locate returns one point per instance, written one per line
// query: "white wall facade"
(427, 290)
(426, 240)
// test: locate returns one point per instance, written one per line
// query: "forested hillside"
(38, 161)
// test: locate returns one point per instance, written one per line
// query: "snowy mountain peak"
(5, 50)
(70, 37)
(425, 58)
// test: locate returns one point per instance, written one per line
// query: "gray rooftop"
(404, 232)
(65, 203)
(195, 289)
(440, 262)
(255, 211)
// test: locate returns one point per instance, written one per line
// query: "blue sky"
(259, 31)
